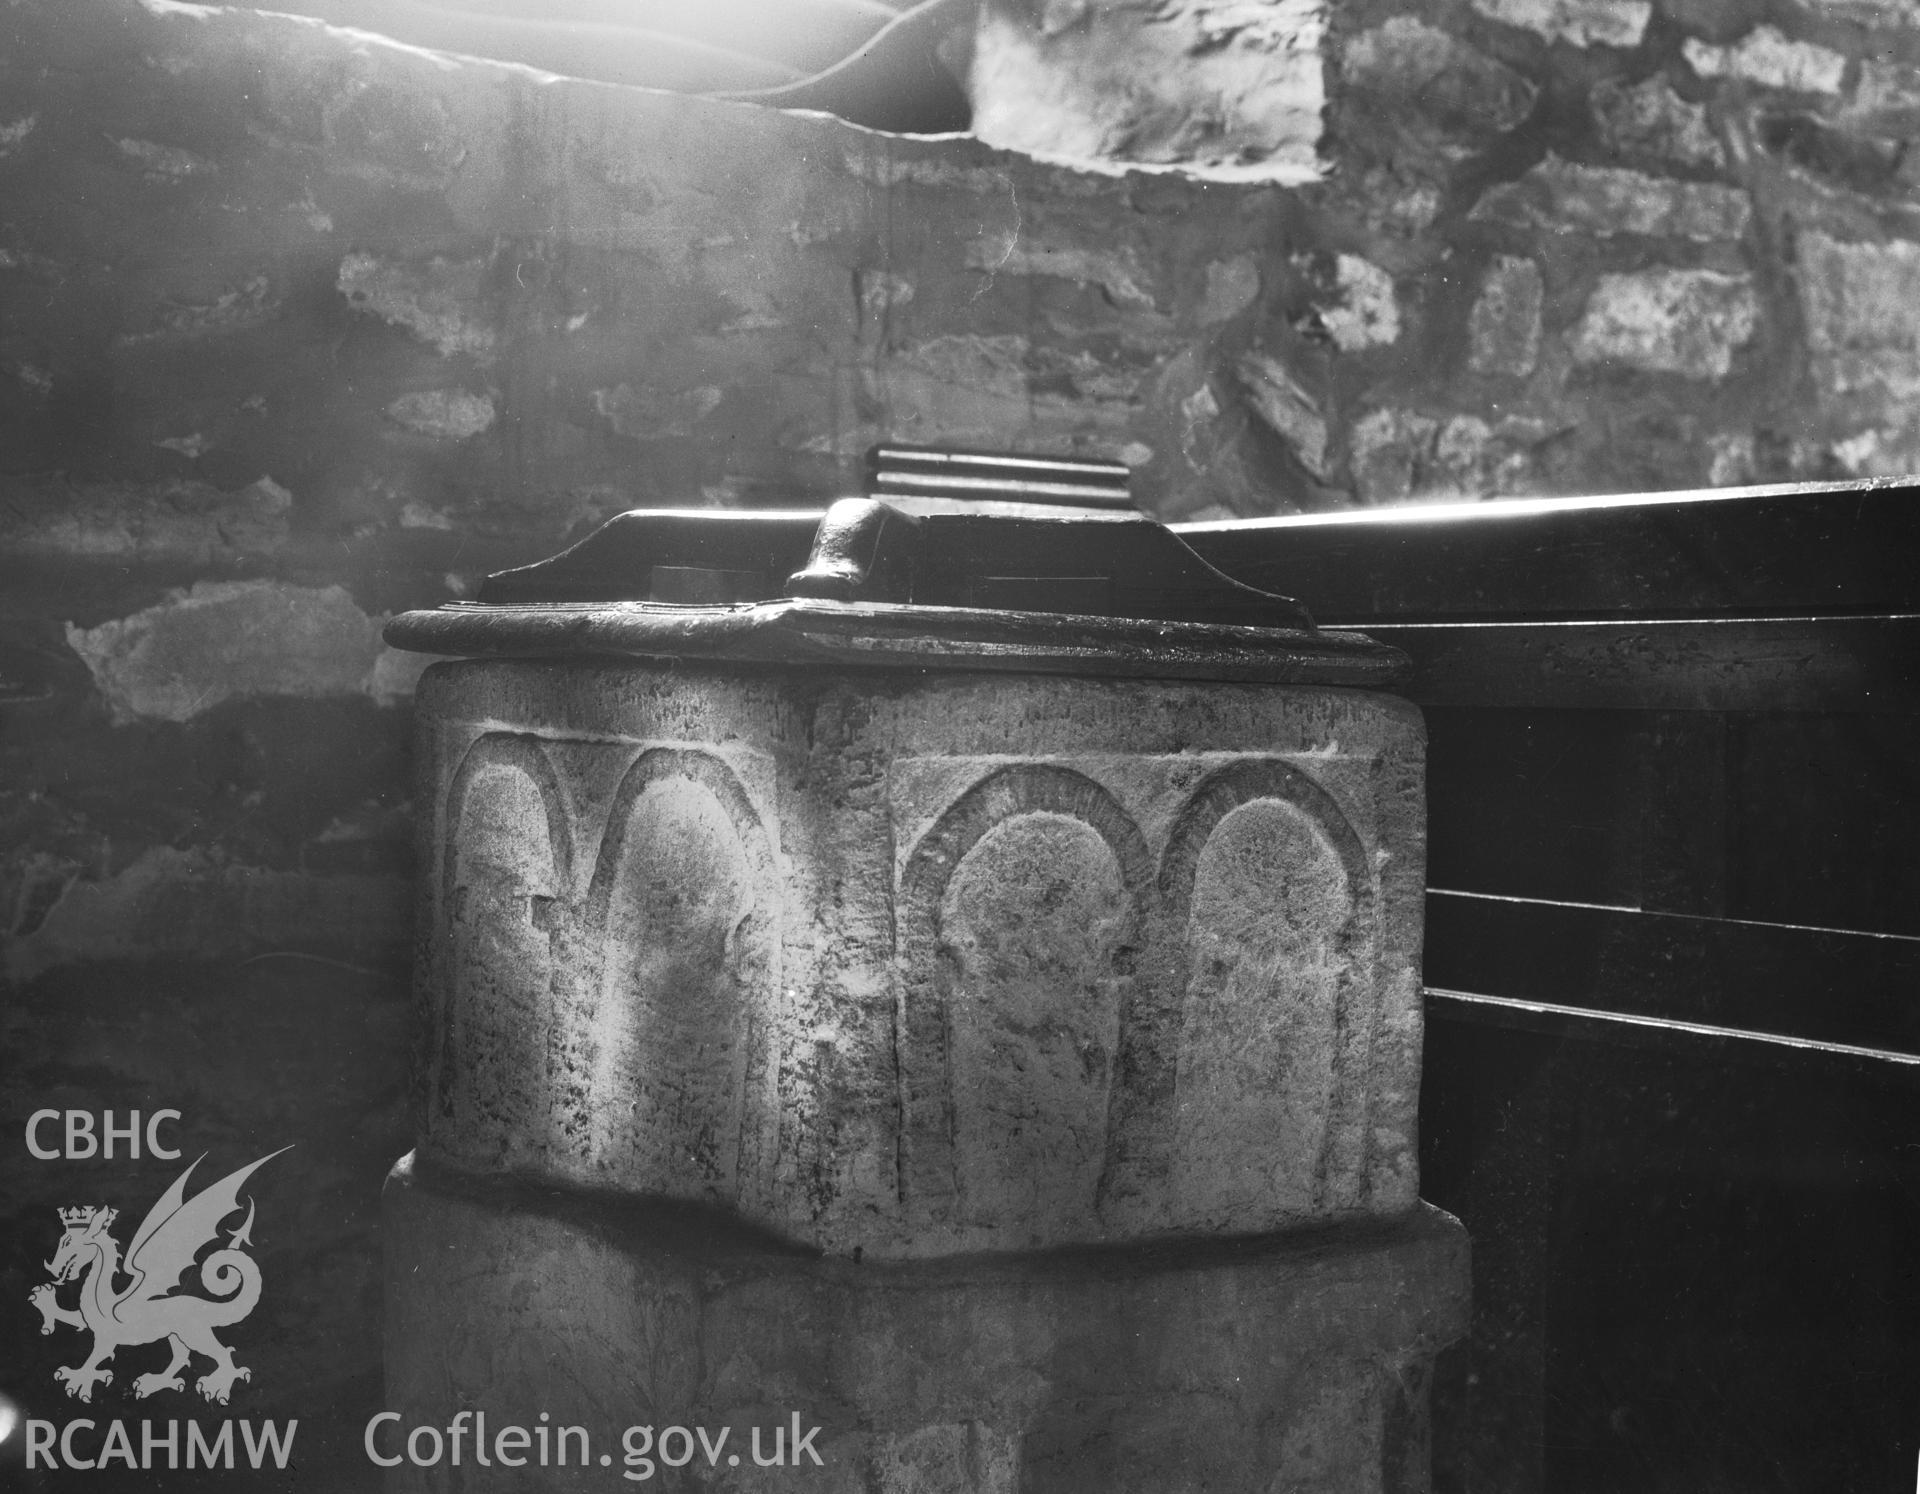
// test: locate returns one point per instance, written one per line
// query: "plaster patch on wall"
(222, 639)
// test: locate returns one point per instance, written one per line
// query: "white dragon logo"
(144, 1311)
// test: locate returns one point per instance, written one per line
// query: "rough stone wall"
(298, 329)
(1633, 246)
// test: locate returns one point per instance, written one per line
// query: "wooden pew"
(1673, 968)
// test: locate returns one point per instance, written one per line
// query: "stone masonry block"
(1584, 23)
(1862, 308)
(1651, 119)
(723, 301)
(1364, 311)
(1286, 409)
(1768, 57)
(913, 966)
(1562, 196)
(1293, 1363)
(1685, 322)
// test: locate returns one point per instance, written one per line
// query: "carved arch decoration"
(677, 1021)
(1144, 1164)
(931, 1185)
(489, 1080)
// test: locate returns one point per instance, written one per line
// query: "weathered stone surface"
(672, 300)
(417, 223)
(1862, 307)
(1585, 23)
(821, 952)
(1685, 322)
(1405, 61)
(1770, 58)
(1225, 88)
(1649, 118)
(1243, 1366)
(1503, 329)
(1563, 196)
(219, 639)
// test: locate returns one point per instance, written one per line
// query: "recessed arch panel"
(505, 889)
(682, 913)
(1252, 1059)
(1020, 923)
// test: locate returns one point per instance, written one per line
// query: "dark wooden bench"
(1673, 969)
